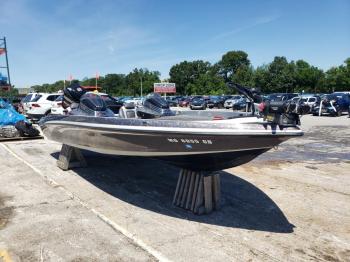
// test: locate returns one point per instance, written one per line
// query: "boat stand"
(70, 157)
(198, 191)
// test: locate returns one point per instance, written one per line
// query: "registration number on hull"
(190, 141)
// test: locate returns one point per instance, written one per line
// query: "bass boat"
(200, 140)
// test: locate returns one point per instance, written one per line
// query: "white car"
(308, 100)
(25, 102)
(56, 106)
(41, 105)
(136, 100)
(230, 102)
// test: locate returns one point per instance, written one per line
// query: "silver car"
(230, 102)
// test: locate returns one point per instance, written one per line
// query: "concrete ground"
(290, 204)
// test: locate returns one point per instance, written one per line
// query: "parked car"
(172, 101)
(226, 97)
(135, 100)
(215, 101)
(41, 105)
(56, 106)
(239, 104)
(123, 99)
(16, 103)
(111, 102)
(308, 100)
(281, 96)
(198, 103)
(333, 104)
(23, 108)
(184, 102)
(233, 100)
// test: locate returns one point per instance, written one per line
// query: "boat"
(194, 140)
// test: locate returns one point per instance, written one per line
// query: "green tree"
(338, 78)
(280, 76)
(260, 78)
(133, 81)
(114, 84)
(209, 83)
(307, 77)
(186, 73)
(233, 61)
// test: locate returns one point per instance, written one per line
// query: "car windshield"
(59, 99)
(36, 98)
(236, 97)
(198, 100)
(275, 97)
(330, 97)
(27, 98)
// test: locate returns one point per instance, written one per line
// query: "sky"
(51, 40)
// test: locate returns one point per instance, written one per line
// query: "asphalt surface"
(290, 204)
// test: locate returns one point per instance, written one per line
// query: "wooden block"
(216, 191)
(64, 157)
(199, 197)
(190, 190)
(79, 157)
(208, 196)
(181, 190)
(70, 157)
(178, 186)
(185, 192)
(195, 191)
(198, 191)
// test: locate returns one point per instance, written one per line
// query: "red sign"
(2, 51)
(164, 88)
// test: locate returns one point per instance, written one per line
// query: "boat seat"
(127, 111)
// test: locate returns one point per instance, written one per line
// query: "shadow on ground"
(150, 184)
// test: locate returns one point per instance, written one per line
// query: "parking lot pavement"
(41, 222)
(290, 204)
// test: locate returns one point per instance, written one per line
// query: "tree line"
(202, 77)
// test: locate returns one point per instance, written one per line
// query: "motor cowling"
(154, 106)
(283, 113)
(72, 94)
(93, 104)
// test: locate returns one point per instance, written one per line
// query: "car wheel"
(339, 112)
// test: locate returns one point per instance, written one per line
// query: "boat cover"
(8, 115)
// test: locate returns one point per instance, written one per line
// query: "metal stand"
(198, 191)
(70, 157)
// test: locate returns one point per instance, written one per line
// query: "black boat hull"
(191, 148)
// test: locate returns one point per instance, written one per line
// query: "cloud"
(257, 22)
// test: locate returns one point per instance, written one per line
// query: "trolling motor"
(282, 113)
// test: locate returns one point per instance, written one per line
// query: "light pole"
(141, 84)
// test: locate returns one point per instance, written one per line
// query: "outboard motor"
(154, 106)
(93, 105)
(72, 94)
(84, 103)
(283, 113)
